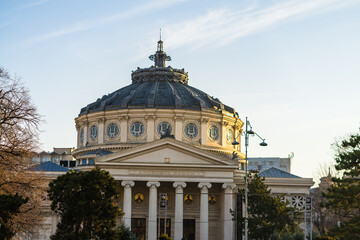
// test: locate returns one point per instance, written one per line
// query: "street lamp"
(248, 131)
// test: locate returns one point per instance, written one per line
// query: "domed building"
(170, 146)
(160, 135)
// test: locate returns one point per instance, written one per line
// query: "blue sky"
(292, 67)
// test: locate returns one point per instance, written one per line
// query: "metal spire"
(160, 56)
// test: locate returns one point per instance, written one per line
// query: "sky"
(291, 67)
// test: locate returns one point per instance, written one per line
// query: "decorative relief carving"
(212, 199)
(188, 199)
(229, 185)
(153, 184)
(128, 183)
(150, 117)
(139, 198)
(204, 185)
(205, 120)
(101, 120)
(179, 118)
(124, 118)
(179, 184)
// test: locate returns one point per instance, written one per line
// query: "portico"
(198, 184)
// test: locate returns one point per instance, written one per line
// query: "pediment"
(177, 152)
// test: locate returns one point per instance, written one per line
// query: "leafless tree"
(324, 218)
(19, 123)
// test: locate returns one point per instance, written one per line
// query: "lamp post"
(248, 131)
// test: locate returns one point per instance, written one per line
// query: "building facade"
(160, 137)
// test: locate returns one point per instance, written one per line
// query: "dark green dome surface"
(157, 87)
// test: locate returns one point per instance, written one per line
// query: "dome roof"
(157, 87)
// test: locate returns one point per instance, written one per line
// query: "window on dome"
(213, 133)
(112, 130)
(137, 129)
(163, 127)
(82, 135)
(229, 136)
(93, 132)
(191, 130)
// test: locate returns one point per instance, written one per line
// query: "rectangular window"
(91, 161)
(138, 226)
(45, 159)
(162, 227)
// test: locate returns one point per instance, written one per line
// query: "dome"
(157, 87)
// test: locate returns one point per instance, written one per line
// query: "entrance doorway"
(138, 226)
(189, 229)
(162, 227)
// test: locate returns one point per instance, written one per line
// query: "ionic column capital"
(179, 184)
(229, 186)
(128, 183)
(155, 184)
(204, 185)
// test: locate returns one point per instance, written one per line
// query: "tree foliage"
(123, 232)
(267, 214)
(87, 205)
(344, 195)
(9, 205)
(19, 123)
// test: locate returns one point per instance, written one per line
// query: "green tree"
(268, 214)
(87, 204)
(344, 194)
(124, 233)
(9, 205)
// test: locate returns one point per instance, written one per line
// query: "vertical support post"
(127, 201)
(204, 210)
(179, 209)
(152, 209)
(228, 225)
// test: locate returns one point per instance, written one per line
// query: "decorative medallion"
(82, 135)
(298, 202)
(163, 127)
(188, 199)
(212, 199)
(191, 130)
(213, 133)
(229, 136)
(93, 132)
(112, 130)
(137, 129)
(139, 198)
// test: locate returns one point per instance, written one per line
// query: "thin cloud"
(6, 23)
(35, 3)
(220, 27)
(86, 25)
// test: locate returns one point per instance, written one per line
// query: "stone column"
(179, 127)
(179, 209)
(123, 128)
(203, 130)
(152, 220)
(228, 224)
(204, 210)
(150, 136)
(86, 123)
(101, 122)
(127, 201)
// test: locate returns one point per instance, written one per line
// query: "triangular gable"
(177, 152)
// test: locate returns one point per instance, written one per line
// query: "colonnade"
(204, 187)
